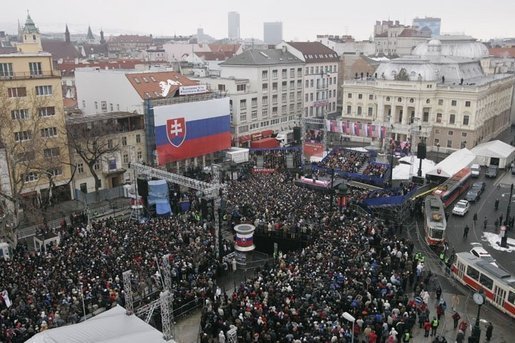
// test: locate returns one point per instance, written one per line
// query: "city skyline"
(299, 22)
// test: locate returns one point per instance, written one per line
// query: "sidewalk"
(502, 333)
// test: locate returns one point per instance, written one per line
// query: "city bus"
(435, 222)
(498, 285)
(456, 185)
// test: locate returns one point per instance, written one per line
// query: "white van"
(475, 170)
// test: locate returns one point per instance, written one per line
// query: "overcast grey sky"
(302, 20)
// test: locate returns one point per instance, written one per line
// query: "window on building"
(125, 158)
(360, 96)
(264, 86)
(370, 111)
(440, 102)
(264, 101)
(83, 103)
(449, 143)
(20, 114)
(111, 107)
(452, 119)
(17, 92)
(49, 132)
(359, 110)
(349, 109)
(44, 90)
(467, 103)
(96, 105)
(35, 68)
(349, 95)
(243, 117)
(51, 152)
(139, 155)
(292, 72)
(428, 101)
(264, 74)
(274, 110)
(399, 99)
(124, 141)
(438, 117)
(465, 120)
(370, 97)
(96, 166)
(103, 105)
(241, 88)
(46, 111)
(453, 102)
(243, 104)
(221, 87)
(138, 138)
(463, 134)
(6, 70)
(80, 168)
(109, 143)
(21, 136)
(274, 86)
(274, 73)
(437, 141)
(425, 117)
(450, 133)
(284, 73)
(31, 177)
(55, 171)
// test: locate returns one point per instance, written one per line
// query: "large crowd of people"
(47, 288)
(354, 264)
(357, 265)
(345, 160)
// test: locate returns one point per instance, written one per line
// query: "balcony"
(28, 75)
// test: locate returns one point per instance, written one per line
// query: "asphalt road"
(498, 188)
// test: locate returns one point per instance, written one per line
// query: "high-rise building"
(273, 32)
(430, 23)
(233, 24)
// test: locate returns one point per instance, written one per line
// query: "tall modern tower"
(233, 24)
(273, 32)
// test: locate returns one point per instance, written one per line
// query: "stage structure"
(210, 191)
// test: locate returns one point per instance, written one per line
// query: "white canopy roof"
(453, 163)
(112, 326)
(408, 167)
(494, 149)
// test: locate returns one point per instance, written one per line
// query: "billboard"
(192, 129)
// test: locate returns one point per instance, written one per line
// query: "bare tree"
(34, 152)
(91, 142)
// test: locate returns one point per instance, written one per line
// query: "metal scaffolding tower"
(127, 288)
(166, 314)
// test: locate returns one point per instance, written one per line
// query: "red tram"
(498, 284)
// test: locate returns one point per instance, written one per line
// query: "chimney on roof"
(285, 49)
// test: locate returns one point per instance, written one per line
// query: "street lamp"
(351, 319)
(479, 299)
(437, 152)
(504, 239)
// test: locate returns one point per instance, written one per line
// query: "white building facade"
(266, 90)
(447, 101)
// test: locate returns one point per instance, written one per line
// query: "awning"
(256, 136)
(267, 133)
(244, 139)
(114, 172)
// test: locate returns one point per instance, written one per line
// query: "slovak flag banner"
(192, 129)
(244, 240)
(5, 296)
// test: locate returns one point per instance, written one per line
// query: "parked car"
(475, 170)
(480, 186)
(473, 195)
(461, 208)
(491, 171)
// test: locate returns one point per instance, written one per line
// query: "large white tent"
(112, 326)
(408, 167)
(494, 153)
(453, 163)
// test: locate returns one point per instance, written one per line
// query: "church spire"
(90, 36)
(67, 35)
(102, 39)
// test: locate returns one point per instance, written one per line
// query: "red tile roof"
(502, 52)
(149, 85)
(67, 68)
